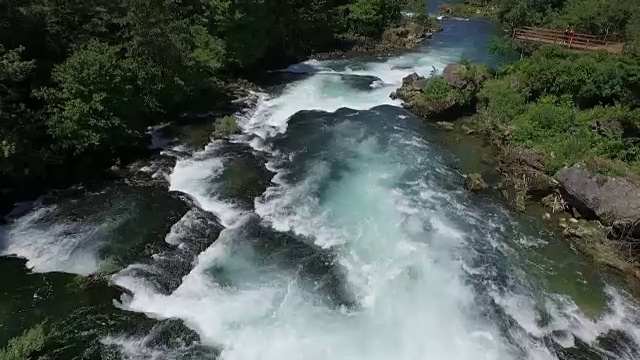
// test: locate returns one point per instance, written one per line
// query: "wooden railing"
(579, 42)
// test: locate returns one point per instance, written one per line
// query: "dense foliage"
(569, 106)
(572, 107)
(615, 18)
(26, 346)
(81, 80)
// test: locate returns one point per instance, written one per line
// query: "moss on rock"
(474, 182)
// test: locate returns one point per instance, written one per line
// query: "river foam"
(365, 245)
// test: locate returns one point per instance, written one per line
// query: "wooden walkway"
(577, 42)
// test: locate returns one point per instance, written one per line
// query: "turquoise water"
(364, 245)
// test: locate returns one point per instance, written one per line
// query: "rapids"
(364, 245)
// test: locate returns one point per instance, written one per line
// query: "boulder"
(615, 201)
(447, 96)
(455, 75)
(474, 182)
(468, 77)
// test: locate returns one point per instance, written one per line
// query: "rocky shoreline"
(394, 41)
(599, 214)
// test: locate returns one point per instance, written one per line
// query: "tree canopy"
(80, 80)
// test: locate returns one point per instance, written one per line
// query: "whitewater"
(364, 246)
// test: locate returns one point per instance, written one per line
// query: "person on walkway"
(565, 38)
(571, 35)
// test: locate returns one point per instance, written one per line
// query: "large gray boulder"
(615, 201)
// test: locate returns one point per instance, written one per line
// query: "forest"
(80, 81)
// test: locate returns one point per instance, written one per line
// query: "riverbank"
(470, 9)
(395, 40)
(217, 107)
(543, 156)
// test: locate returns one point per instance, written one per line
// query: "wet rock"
(546, 216)
(245, 177)
(467, 130)
(474, 182)
(614, 201)
(590, 237)
(412, 85)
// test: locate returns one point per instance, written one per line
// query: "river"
(359, 242)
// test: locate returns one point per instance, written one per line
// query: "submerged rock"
(474, 182)
(445, 125)
(615, 201)
(590, 237)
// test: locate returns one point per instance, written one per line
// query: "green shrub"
(501, 101)
(98, 101)
(591, 79)
(225, 126)
(616, 130)
(437, 89)
(26, 345)
(551, 126)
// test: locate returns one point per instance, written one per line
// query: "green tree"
(98, 100)
(370, 17)
(25, 346)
